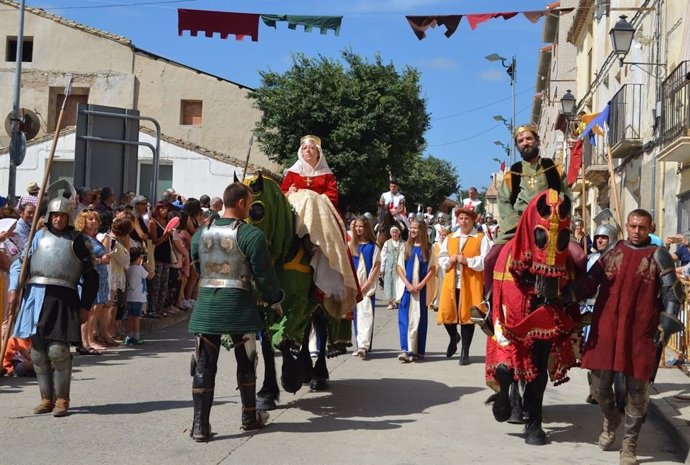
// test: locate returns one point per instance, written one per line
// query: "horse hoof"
(535, 437)
(516, 417)
(291, 384)
(502, 408)
(318, 384)
(266, 402)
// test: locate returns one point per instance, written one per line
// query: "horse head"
(272, 213)
(541, 243)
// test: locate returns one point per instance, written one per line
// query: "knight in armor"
(233, 260)
(52, 310)
(635, 314)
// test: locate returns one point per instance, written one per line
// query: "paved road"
(132, 406)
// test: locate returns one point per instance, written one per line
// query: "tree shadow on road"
(138, 407)
(370, 404)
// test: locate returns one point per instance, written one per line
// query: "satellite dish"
(29, 123)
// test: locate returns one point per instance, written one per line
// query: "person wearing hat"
(52, 309)
(311, 171)
(392, 286)
(31, 196)
(462, 257)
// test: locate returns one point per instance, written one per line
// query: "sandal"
(81, 350)
(92, 351)
(112, 343)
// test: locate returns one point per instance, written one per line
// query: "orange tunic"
(471, 285)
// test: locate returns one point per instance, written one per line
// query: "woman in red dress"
(311, 171)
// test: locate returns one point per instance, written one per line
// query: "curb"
(666, 415)
(149, 325)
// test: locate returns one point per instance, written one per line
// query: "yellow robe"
(471, 284)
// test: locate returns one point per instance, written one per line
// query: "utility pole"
(12, 177)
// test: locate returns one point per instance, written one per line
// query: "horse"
(302, 237)
(535, 334)
(384, 222)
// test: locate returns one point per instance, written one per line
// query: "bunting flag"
(224, 23)
(503, 166)
(247, 24)
(597, 123)
(575, 162)
(420, 24)
(477, 19)
(323, 23)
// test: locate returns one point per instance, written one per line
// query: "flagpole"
(614, 190)
(584, 204)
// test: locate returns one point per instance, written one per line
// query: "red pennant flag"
(575, 162)
(503, 166)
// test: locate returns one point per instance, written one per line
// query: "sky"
(462, 89)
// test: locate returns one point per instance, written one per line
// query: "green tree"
(428, 181)
(367, 114)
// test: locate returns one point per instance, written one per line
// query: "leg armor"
(245, 354)
(61, 359)
(206, 353)
(44, 376)
(602, 388)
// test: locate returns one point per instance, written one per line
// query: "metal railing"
(625, 116)
(675, 112)
(679, 341)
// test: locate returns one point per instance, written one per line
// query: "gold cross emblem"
(308, 182)
(532, 181)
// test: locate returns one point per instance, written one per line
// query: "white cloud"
(439, 63)
(492, 75)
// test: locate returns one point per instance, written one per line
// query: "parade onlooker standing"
(365, 255)
(580, 237)
(120, 245)
(23, 227)
(162, 253)
(462, 258)
(31, 196)
(137, 275)
(416, 266)
(52, 309)
(389, 263)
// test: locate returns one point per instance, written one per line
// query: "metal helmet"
(609, 231)
(59, 205)
(368, 216)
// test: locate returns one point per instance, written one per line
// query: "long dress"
(412, 314)
(365, 259)
(389, 262)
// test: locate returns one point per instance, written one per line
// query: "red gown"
(321, 184)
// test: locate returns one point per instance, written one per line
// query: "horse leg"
(501, 400)
(319, 381)
(304, 357)
(269, 393)
(290, 377)
(516, 416)
(534, 434)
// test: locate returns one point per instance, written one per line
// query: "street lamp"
(621, 39)
(511, 69)
(508, 124)
(568, 103)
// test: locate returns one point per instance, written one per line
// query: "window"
(684, 213)
(165, 175)
(190, 112)
(27, 49)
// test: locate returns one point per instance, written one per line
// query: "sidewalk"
(671, 413)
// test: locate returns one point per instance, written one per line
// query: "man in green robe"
(234, 261)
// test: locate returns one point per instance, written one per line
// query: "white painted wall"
(193, 174)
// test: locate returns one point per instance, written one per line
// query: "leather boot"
(633, 424)
(452, 330)
(608, 430)
(466, 333)
(201, 426)
(251, 418)
(61, 407)
(269, 394)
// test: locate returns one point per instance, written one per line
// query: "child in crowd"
(137, 274)
(18, 358)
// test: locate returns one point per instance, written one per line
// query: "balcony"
(675, 115)
(596, 167)
(624, 121)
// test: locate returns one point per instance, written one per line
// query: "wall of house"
(227, 116)
(193, 174)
